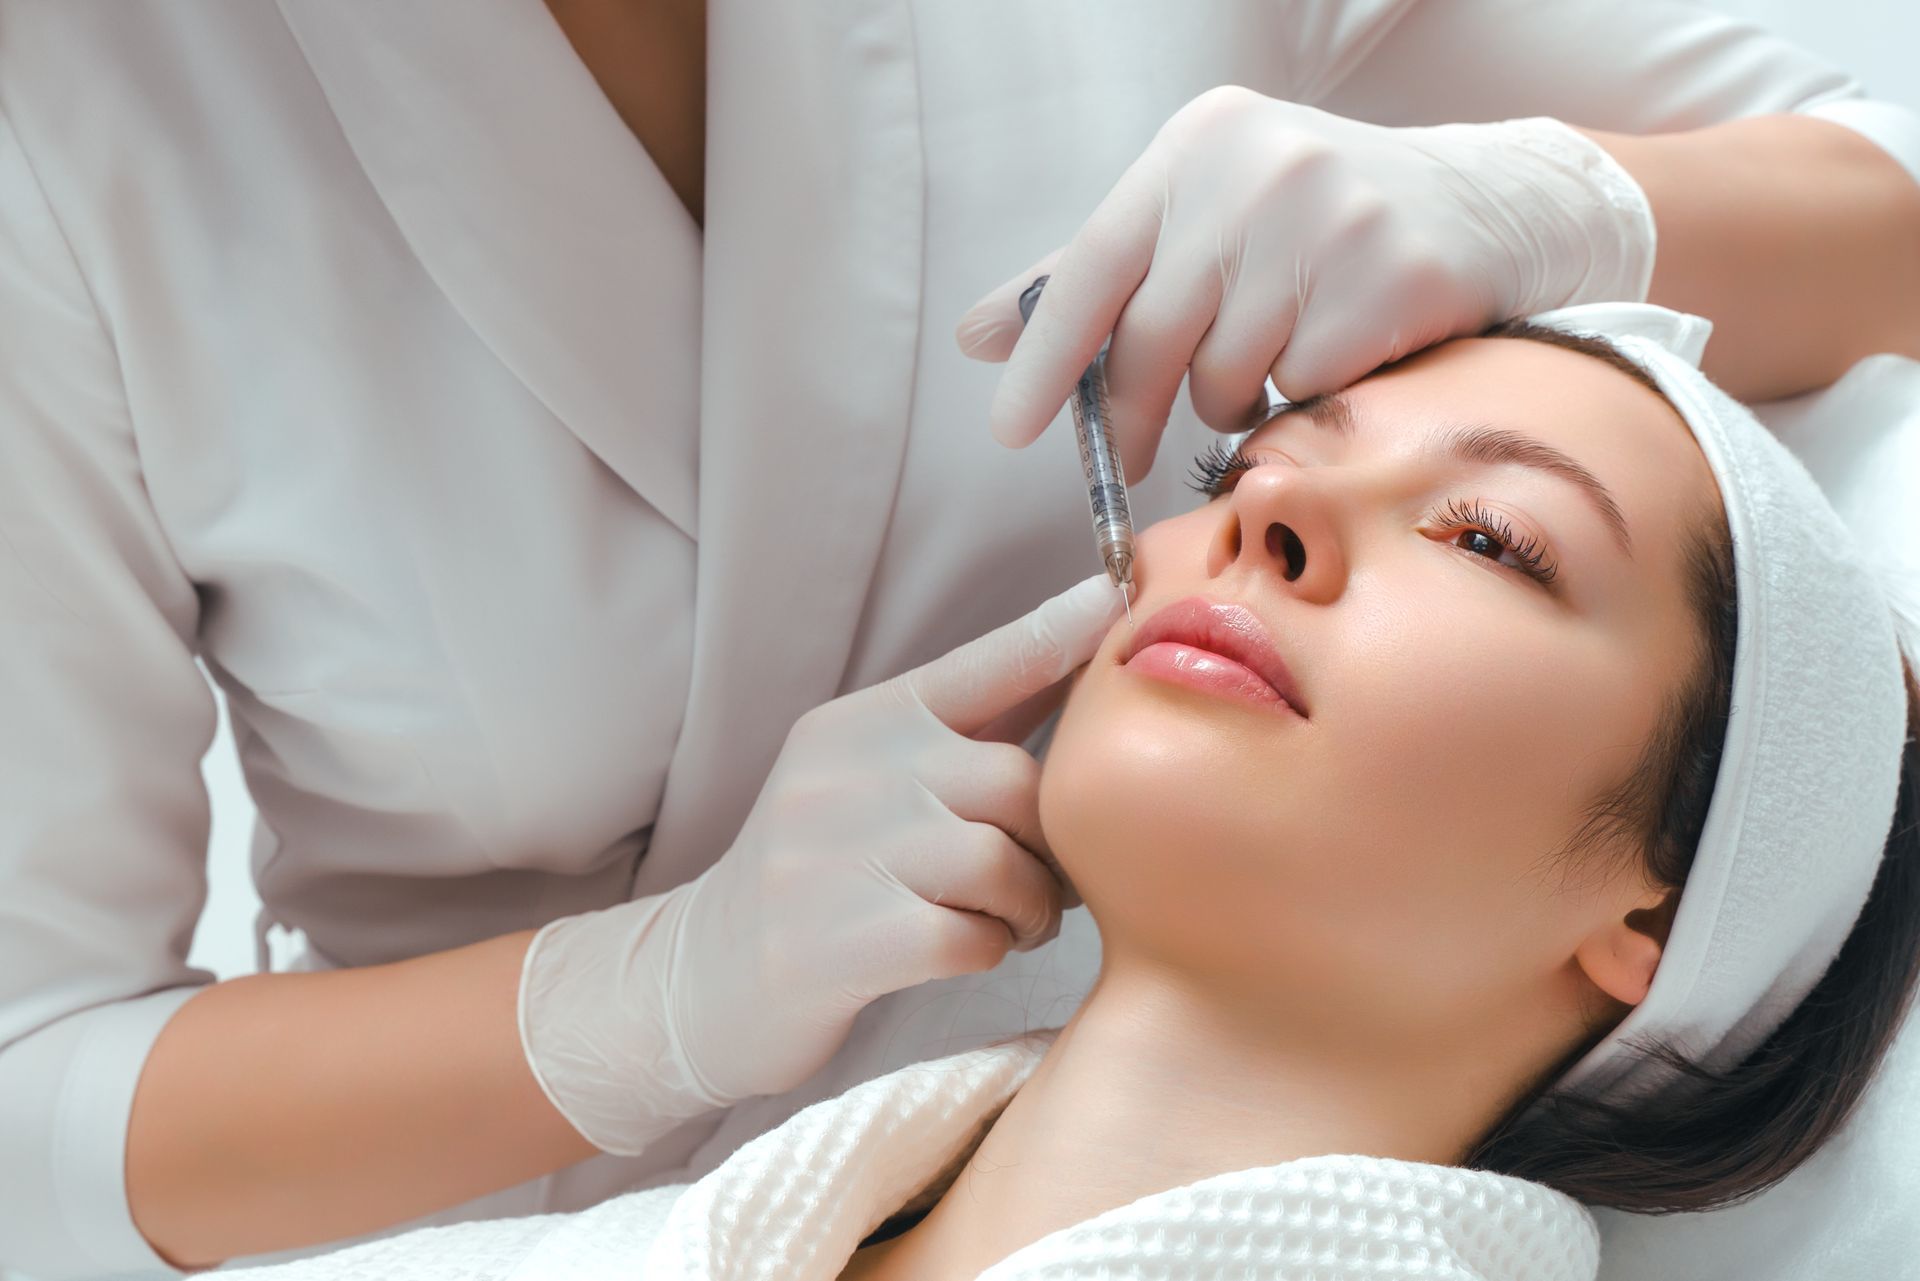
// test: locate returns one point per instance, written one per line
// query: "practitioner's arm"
(1799, 237)
(282, 1110)
(1796, 236)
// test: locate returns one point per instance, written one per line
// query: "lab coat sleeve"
(104, 718)
(1624, 66)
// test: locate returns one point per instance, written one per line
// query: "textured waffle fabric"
(795, 1203)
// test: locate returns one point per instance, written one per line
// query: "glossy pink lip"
(1217, 646)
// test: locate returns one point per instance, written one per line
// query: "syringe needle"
(1124, 600)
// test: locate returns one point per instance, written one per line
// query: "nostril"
(1284, 544)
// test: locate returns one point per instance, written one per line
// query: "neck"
(1156, 1082)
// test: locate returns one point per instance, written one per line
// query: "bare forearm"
(1797, 237)
(290, 1109)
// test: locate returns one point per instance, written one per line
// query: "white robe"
(797, 1201)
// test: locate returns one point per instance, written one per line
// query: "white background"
(1877, 40)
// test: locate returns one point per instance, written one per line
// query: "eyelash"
(1216, 466)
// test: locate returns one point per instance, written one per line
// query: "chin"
(1147, 807)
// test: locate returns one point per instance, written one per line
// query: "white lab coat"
(359, 350)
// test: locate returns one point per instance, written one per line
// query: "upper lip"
(1232, 631)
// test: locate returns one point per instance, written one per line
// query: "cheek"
(1483, 732)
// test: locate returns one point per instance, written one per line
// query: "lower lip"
(1205, 670)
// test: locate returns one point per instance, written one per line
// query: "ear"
(1621, 956)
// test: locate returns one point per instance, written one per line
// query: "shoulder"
(1468, 1223)
(1495, 1226)
(608, 1239)
(141, 108)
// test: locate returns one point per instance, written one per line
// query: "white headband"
(1804, 798)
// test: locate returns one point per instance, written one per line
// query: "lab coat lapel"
(815, 199)
(534, 209)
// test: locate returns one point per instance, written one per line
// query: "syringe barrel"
(1099, 459)
(1106, 479)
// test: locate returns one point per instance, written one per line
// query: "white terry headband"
(1804, 798)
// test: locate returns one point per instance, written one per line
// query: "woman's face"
(1387, 851)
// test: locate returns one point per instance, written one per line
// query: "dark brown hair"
(1716, 1138)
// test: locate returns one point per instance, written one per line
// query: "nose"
(1282, 521)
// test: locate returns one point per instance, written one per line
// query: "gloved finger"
(971, 686)
(985, 870)
(1017, 723)
(955, 942)
(1000, 784)
(1227, 381)
(1153, 343)
(1343, 335)
(1097, 272)
(991, 327)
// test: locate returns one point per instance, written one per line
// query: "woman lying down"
(1504, 804)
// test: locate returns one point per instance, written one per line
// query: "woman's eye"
(1479, 541)
(1216, 467)
(1488, 536)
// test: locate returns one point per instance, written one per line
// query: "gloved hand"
(1256, 238)
(887, 848)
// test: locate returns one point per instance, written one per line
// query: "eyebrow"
(1487, 445)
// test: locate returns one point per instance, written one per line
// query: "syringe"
(1100, 462)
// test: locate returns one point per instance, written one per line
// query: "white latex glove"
(887, 847)
(1256, 238)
